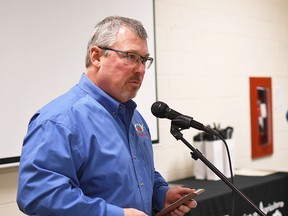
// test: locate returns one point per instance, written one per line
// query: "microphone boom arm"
(180, 123)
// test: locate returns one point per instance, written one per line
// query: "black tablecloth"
(269, 193)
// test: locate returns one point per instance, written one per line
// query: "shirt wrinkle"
(115, 166)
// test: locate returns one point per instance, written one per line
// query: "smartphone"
(179, 202)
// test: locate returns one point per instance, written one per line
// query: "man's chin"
(129, 95)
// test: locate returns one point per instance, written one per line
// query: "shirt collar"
(109, 103)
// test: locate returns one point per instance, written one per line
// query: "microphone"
(162, 110)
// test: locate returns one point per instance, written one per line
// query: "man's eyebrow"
(135, 52)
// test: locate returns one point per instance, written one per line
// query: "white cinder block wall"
(8, 189)
(206, 52)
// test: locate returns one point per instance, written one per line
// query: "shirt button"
(134, 157)
(141, 184)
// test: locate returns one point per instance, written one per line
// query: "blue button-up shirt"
(87, 154)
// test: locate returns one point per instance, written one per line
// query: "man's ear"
(95, 54)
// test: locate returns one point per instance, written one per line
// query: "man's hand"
(133, 212)
(175, 193)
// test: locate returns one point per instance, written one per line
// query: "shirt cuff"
(159, 197)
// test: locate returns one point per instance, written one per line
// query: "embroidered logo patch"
(140, 129)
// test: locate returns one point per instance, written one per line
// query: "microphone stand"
(181, 123)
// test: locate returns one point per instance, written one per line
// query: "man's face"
(115, 76)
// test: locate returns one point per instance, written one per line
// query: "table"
(269, 193)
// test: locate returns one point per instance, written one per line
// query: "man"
(82, 154)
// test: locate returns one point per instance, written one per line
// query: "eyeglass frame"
(143, 59)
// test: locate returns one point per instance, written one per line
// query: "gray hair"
(105, 32)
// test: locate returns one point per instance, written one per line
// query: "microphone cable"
(231, 173)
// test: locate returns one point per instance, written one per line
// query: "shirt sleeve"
(159, 193)
(51, 162)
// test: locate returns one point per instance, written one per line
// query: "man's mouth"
(136, 81)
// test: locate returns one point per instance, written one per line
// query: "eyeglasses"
(132, 58)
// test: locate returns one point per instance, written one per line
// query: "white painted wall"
(206, 52)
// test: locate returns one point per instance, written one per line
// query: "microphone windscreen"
(158, 109)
